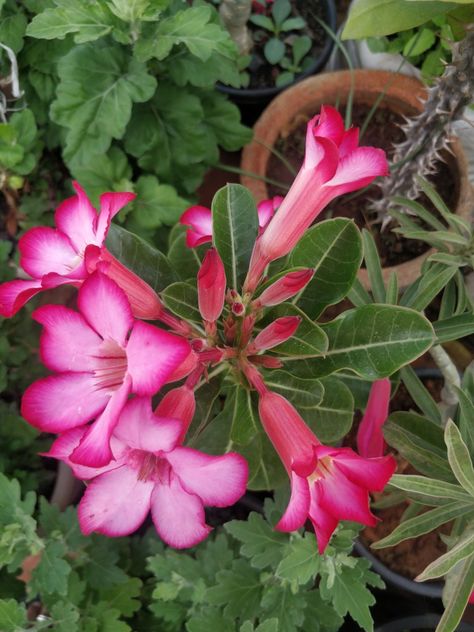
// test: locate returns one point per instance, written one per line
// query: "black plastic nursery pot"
(257, 98)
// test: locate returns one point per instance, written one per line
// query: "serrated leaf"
(51, 574)
(286, 605)
(65, 616)
(98, 86)
(12, 616)
(235, 228)
(156, 203)
(210, 619)
(459, 458)
(239, 590)
(123, 597)
(109, 171)
(260, 543)
(336, 240)
(301, 561)
(147, 262)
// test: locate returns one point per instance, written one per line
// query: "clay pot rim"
(257, 94)
(308, 95)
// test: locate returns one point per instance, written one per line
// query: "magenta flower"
(151, 471)
(199, 221)
(334, 164)
(370, 441)
(54, 256)
(327, 484)
(100, 356)
(285, 287)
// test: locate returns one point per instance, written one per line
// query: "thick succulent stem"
(449, 396)
(428, 133)
(235, 15)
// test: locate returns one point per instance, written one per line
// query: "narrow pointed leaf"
(463, 549)
(454, 328)
(460, 593)
(374, 267)
(414, 484)
(420, 394)
(459, 457)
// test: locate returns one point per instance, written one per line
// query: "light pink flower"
(199, 221)
(151, 471)
(100, 355)
(370, 441)
(327, 484)
(334, 164)
(211, 286)
(54, 256)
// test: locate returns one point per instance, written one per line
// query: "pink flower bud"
(179, 403)
(185, 368)
(277, 332)
(286, 287)
(143, 300)
(370, 441)
(211, 284)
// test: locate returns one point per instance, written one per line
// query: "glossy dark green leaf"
(140, 257)
(334, 415)
(245, 422)
(305, 395)
(182, 299)
(334, 249)
(235, 228)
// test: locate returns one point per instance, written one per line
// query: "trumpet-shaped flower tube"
(211, 285)
(370, 441)
(100, 355)
(198, 219)
(151, 471)
(286, 287)
(334, 164)
(54, 256)
(327, 484)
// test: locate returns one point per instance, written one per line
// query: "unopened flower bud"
(211, 284)
(286, 287)
(277, 332)
(179, 403)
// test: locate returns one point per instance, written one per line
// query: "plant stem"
(449, 397)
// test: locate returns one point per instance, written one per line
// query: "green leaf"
(156, 203)
(466, 415)
(419, 43)
(51, 574)
(238, 589)
(424, 523)
(373, 341)
(383, 17)
(309, 340)
(461, 589)
(274, 50)
(374, 267)
(294, 24)
(333, 416)
(98, 86)
(306, 395)
(210, 619)
(88, 21)
(459, 457)
(281, 9)
(12, 616)
(420, 442)
(65, 616)
(335, 240)
(147, 262)
(430, 286)
(286, 605)
(235, 228)
(12, 31)
(222, 121)
(245, 422)
(123, 596)
(260, 543)
(463, 548)
(182, 299)
(420, 394)
(265, 468)
(262, 20)
(428, 487)
(454, 328)
(109, 171)
(191, 27)
(301, 562)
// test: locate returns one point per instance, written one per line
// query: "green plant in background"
(246, 578)
(126, 93)
(298, 62)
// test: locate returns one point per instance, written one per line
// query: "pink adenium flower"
(285, 287)
(54, 256)
(211, 286)
(327, 484)
(199, 221)
(151, 471)
(334, 164)
(100, 355)
(370, 441)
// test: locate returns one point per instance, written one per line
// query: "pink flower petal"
(44, 250)
(60, 402)
(52, 280)
(349, 142)
(373, 474)
(110, 205)
(324, 523)
(330, 124)
(115, 503)
(358, 169)
(199, 219)
(153, 355)
(67, 442)
(140, 429)
(94, 449)
(344, 499)
(266, 208)
(105, 307)
(178, 516)
(218, 480)
(370, 441)
(76, 218)
(298, 508)
(67, 342)
(14, 294)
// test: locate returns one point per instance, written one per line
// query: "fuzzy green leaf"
(12, 616)
(238, 589)
(260, 543)
(51, 574)
(301, 562)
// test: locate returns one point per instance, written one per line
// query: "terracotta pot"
(300, 102)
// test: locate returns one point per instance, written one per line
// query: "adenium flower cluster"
(107, 364)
